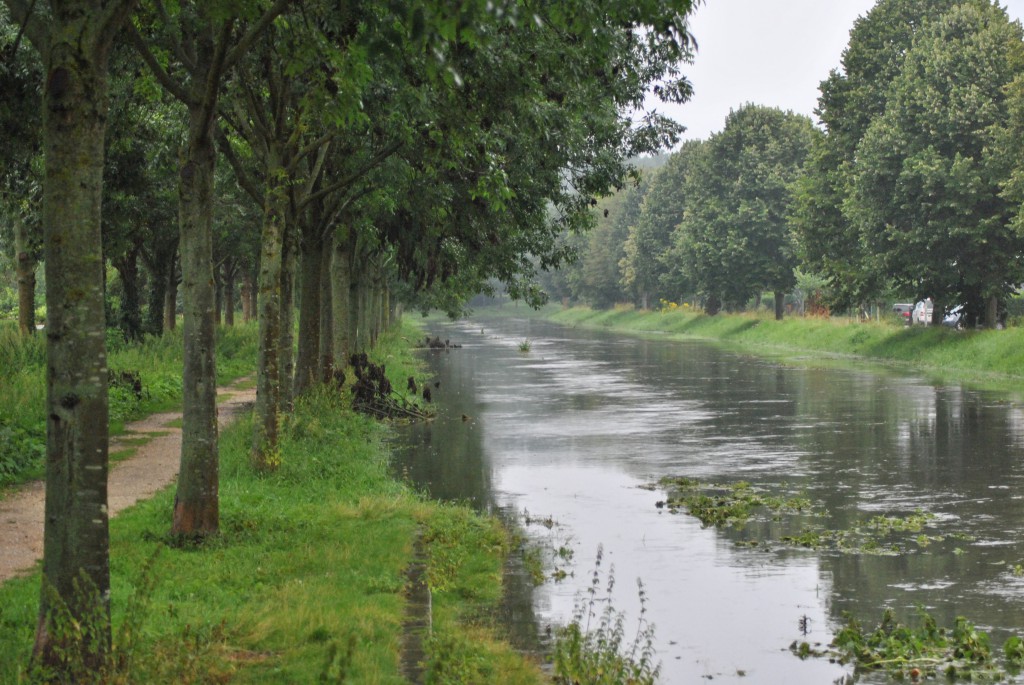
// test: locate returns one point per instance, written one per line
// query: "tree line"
(341, 160)
(911, 188)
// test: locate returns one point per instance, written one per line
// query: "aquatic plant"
(733, 505)
(924, 651)
(602, 654)
(525, 345)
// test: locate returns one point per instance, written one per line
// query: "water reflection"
(574, 427)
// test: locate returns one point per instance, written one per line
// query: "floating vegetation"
(926, 651)
(725, 505)
(734, 505)
(525, 346)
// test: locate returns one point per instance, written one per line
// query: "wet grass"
(157, 362)
(305, 582)
(988, 358)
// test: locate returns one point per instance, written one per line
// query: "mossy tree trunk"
(325, 365)
(73, 40)
(341, 300)
(286, 349)
(25, 264)
(307, 360)
(268, 373)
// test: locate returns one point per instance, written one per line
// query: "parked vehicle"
(923, 312)
(955, 318)
(904, 311)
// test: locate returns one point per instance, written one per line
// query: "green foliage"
(923, 651)
(595, 647)
(726, 505)
(734, 239)
(143, 378)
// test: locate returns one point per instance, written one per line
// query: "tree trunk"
(992, 312)
(362, 312)
(130, 321)
(247, 297)
(170, 306)
(780, 305)
(196, 502)
(230, 272)
(287, 349)
(218, 296)
(325, 367)
(307, 360)
(76, 542)
(264, 455)
(25, 264)
(341, 307)
(713, 305)
(159, 261)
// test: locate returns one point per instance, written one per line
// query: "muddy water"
(567, 435)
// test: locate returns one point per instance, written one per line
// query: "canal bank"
(317, 574)
(992, 359)
(572, 430)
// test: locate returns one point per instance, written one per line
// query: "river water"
(569, 436)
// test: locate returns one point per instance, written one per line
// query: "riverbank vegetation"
(911, 189)
(990, 357)
(145, 377)
(343, 162)
(305, 581)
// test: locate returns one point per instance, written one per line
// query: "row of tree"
(344, 156)
(913, 188)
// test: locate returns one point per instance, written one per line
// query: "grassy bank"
(305, 583)
(992, 358)
(145, 378)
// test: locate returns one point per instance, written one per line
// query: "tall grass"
(305, 583)
(156, 360)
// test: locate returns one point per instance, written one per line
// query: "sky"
(769, 53)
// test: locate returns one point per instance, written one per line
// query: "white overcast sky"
(769, 53)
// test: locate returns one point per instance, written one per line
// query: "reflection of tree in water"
(444, 458)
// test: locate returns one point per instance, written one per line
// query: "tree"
(647, 268)
(205, 40)
(851, 98)
(928, 176)
(735, 238)
(74, 39)
(20, 81)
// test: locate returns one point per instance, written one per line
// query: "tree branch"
(243, 45)
(176, 89)
(370, 165)
(29, 24)
(244, 178)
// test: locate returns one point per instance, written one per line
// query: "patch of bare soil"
(153, 466)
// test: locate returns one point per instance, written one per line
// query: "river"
(569, 436)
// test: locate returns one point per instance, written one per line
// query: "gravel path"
(153, 466)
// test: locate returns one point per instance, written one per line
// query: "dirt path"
(153, 466)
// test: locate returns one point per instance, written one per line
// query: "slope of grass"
(990, 356)
(305, 583)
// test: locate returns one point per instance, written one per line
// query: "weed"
(525, 345)
(924, 651)
(603, 654)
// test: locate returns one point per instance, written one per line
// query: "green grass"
(305, 582)
(986, 357)
(158, 361)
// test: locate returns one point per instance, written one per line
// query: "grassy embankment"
(991, 358)
(305, 583)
